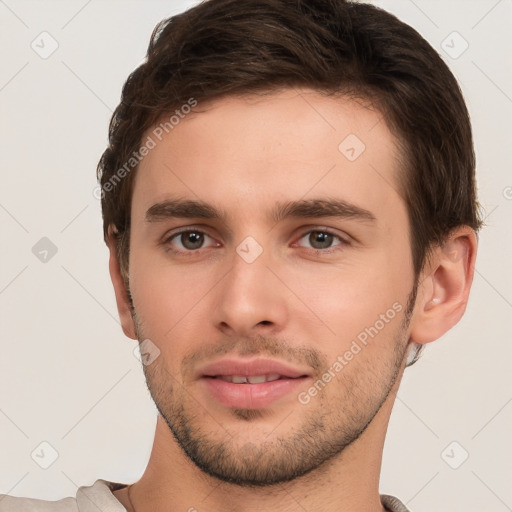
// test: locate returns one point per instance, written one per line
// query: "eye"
(319, 239)
(189, 240)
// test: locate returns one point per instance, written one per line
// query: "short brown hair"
(231, 47)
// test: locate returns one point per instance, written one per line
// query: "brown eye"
(319, 240)
(190, 240)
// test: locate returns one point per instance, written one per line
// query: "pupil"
(320, 239)
(192, 240)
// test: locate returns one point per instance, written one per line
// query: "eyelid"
(170, 235)
(185, 229)
(343, 237)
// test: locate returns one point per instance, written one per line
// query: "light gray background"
(68, 376)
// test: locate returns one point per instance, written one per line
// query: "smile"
(250, 379)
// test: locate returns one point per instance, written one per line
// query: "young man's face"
(271, 287)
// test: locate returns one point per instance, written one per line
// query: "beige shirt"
(99, 497)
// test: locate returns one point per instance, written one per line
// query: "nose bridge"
(249, 295)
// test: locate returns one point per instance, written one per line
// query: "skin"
(294, 303)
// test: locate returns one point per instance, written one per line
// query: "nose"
(250, 299)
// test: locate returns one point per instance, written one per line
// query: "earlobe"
(444, 288)
(120, 289)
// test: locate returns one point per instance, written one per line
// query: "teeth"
(260, 379)
(256, 379)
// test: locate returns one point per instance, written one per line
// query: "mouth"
(250, 379)
(250, 384)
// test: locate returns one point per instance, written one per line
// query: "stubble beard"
(336, 418)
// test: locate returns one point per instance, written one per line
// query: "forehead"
(252, 150)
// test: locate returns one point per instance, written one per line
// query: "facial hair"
(325, 427)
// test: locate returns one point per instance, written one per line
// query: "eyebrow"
(311, 208)
(303, 208)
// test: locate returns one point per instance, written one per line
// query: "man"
(289, 202)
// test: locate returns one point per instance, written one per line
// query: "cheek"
(169, 299)
(328, 305)
(353, 300)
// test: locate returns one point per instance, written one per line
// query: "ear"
(444, 286)
(120, 288)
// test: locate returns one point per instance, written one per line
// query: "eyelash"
(187, 253)
(343, 242)
(192, 252)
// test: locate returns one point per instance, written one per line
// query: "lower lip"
(251, 396)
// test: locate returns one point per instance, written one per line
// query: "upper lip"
(250, 368)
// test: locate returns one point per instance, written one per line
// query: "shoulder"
(14, 504)
(88, 499)
(393, 504)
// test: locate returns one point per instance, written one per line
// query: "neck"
(348, 482)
